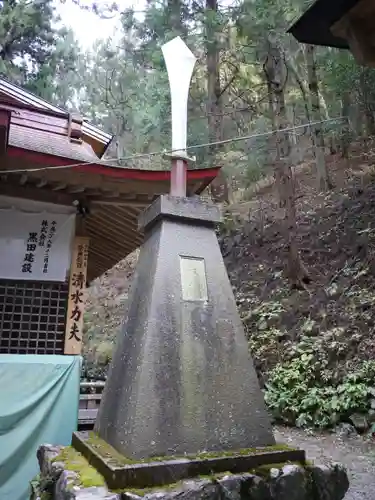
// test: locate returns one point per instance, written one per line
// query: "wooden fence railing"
(89, 401)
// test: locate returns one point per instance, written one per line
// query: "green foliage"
(34, 53)
(25, 29)
(309, 348)
(56, 80)
(267, 340)
(227, 223)
(122, 85)
(96, 362)
(104, 353)
(303, 392)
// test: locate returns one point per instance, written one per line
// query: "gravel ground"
(356, 453)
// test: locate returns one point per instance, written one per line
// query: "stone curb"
(290, 482)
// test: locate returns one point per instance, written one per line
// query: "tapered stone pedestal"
(181, 379)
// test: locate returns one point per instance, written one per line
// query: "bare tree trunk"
(174, 11)
(296, 142)
(325, 115)
(323, 106)
(345, 136)
(368, 107)
(275, 71)
(219, 188)
(301, 86)
(271, 114)
(324, 180)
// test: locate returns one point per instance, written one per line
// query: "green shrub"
(104, 353)
(304, 392)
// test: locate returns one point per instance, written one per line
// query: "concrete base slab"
(121, 473)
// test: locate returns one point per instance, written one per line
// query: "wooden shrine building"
(66, 216)
(345, 24)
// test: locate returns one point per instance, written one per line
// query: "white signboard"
(35, 246)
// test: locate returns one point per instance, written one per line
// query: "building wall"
(33, 307)
(32, 317)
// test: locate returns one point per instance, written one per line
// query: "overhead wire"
(170, 151)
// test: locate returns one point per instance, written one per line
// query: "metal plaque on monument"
(181, 382)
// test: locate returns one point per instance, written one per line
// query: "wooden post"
(77, 293)
(178, 177)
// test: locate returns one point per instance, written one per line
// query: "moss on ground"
(76, 462)
(107, 452)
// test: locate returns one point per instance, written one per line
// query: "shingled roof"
(40, 141)
(10, 92)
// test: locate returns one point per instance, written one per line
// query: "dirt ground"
(356, 453)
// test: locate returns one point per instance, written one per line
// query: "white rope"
(170, 151)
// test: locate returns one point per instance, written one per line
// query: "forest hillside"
(310, 343)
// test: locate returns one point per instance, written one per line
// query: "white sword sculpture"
(180, 62)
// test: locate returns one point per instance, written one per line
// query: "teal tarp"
(39, 397)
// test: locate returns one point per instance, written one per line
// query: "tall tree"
(26, 37)
(34, 53)
(324, 180)
(57, 80)
(366, 83)
(214, 108)
(275, 70)
(345, 136)
(124, 86)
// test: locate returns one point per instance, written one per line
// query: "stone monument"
(181, 380)
(182, 399)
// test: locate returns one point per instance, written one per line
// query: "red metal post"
(178, 177)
